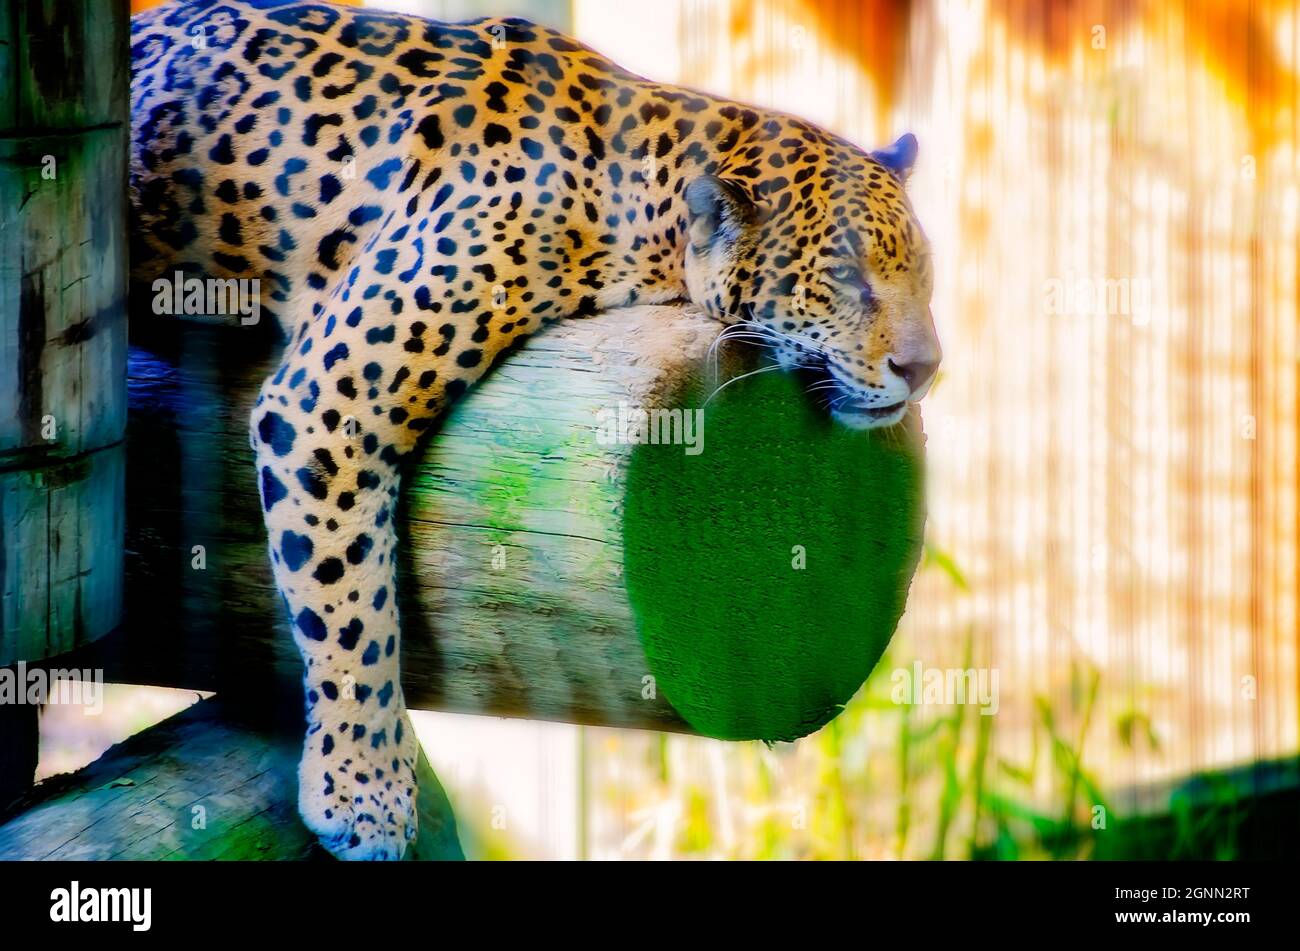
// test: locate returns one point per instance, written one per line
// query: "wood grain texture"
(63, 64)
(201, 785)
(63, 85)
(61, 554)
(516, 473)
(515, 518)
(62, 296)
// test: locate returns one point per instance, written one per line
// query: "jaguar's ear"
(717, 209)
(899, 157)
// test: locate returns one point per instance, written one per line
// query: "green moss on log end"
(768, 572)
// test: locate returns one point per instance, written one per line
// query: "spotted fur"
(419, 197)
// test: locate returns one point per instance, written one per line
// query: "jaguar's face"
(834, 278)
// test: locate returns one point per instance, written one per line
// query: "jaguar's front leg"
(360, 383)
(330, 428)
(328, 490)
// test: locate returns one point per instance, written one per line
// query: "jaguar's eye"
(845, 274)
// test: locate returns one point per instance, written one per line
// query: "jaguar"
(416, 199)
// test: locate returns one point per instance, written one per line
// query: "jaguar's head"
(809, 247)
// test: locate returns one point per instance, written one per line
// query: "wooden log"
(201, 785)
(745, 591)
(63, 94)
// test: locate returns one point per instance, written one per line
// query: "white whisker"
(742, 376)
(743, 331)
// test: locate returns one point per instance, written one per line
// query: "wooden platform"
(204, 784)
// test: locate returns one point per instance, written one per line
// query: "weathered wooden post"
(64, 80)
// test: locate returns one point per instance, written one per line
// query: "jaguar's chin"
(860, 416)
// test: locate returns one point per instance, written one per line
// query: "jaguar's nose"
(915, 373)
(916, 357)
